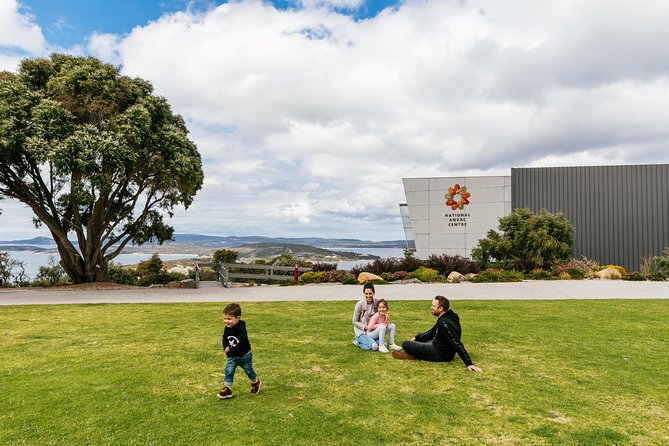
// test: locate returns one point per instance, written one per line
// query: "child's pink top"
(377, 320)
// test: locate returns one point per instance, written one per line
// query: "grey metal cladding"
(621, 213)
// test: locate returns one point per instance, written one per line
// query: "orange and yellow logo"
(454, 192)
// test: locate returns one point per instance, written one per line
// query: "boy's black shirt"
(237, 339)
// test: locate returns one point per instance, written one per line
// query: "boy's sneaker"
(395, 347)
(225, 394)
(375, 346)
(255, 387)
(355, 343)
(383, 349)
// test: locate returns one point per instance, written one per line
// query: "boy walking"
(237, 348)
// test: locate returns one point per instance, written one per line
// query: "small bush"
(635, 276)
(41, 283)
(323, 266)
(658, 276)
(496, 275)
(426, 274)
(409, 262)
(225, 256)
(540, 274)
(447, 264)
(398, 275)
(576, 274)
(122, 276)
(583, 264)
(312, 277)
(334, 276)
(349, 279)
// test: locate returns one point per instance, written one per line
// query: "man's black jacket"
(446, 335)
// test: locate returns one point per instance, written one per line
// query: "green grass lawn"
(554, 373)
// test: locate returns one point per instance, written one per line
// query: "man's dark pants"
(425, 351)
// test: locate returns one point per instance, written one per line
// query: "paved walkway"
(211, 292)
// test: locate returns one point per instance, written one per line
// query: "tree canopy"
(95, 154)
(527, 240)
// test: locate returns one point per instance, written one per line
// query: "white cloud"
(18, 30)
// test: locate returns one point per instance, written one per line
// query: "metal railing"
(263, 272)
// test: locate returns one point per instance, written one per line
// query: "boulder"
(188, 283)
(609, 273)
(156, 285)
(454, 277)
(367, 277)
(173, 284)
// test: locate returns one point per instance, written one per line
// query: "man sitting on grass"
(442, 342)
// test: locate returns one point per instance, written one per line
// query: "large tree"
(94, 154)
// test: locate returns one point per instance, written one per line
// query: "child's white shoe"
(375, 346)
(395, 347)
(383, 349)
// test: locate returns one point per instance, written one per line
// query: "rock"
(173, 284)
(454, 277)
(367, 277)
(187, 283)
(609, 273)
(180, 269)
(156, 285)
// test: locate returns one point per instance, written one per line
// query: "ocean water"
(33, 260)
(381, 252)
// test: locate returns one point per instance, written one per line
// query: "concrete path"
(211, 292)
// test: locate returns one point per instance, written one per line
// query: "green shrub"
(41, 283)
(576, 274)
(123, 276)
(225, 256)
(526, 240)
(658, 276)
(496, 275)
(349, 279)
(426, 274)
(635, 277)
(312, 277)
(540, 274)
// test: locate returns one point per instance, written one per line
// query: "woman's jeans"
(379, 334)
(245, 362)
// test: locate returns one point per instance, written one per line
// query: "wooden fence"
(263, 272)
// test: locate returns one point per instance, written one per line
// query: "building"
(621, 213)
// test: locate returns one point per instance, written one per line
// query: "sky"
(308, 113)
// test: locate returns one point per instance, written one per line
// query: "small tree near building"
(527, 241)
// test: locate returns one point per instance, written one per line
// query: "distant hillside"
(229, 241)
(32, 241)
(270, 250)
(181, 241)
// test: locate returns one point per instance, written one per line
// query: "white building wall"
(438, 229)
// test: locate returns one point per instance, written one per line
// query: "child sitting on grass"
(378, 326)
(237, 347)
